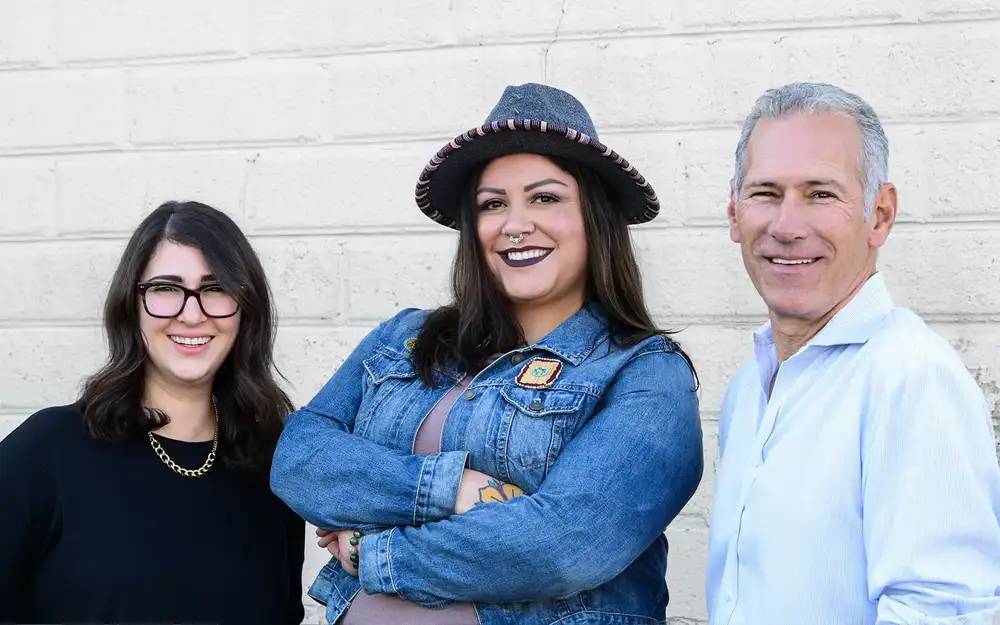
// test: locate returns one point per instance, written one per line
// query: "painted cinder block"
(961, 9)
(46, 366)
(385, 274)
(112, 192)
(339, 187)
(245, 102)
(306, 275)
(26, 33)
(317, 26)
(743, 65)
(758, 13)
(309, 355)
(56, 281)
(686, 569)
(101, 30)
(27, 196)
(36, 114)
(481, 21)
(427, 93)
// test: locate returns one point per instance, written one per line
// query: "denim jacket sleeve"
(336, 480)
(614, 488)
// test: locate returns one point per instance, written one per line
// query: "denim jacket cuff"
(374, 567)
(437, 486)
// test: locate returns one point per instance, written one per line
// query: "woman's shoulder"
(31, 442)
(49, 423)
(403, 327)
(656, 357)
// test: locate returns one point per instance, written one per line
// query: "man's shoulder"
(905, 341)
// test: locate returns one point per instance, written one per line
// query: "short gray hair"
(813, 97)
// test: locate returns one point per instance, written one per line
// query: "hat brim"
(444, 180)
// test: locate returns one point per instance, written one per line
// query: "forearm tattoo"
(496, 491)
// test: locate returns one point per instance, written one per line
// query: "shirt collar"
(858, 320)
(855, 323)
(575, 338)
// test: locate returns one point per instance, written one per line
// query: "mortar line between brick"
(974, 223)
(681, 323)
(764, 29)
(965, 118)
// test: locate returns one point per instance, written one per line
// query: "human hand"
(338, 543)
(328, 540)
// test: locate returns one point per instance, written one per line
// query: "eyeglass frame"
(188, 294)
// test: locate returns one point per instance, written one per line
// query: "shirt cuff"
(374, 567)
(437, 486)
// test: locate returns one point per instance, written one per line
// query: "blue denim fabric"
(607, 454)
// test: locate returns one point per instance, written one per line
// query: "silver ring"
(515, 240)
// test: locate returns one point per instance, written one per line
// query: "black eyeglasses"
(164, 300)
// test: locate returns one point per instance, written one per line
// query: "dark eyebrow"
(761, 183)
(490, 190)
(535, 185)
(171, 278)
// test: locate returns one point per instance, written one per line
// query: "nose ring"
(515, 240)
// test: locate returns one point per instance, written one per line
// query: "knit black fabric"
(95, 532)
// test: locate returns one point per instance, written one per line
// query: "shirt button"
(517, 358)
(470, 394)
(536, 404)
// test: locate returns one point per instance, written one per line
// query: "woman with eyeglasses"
(146, 500)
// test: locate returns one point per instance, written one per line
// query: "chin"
(526, 297)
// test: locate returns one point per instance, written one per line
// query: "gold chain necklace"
(203, 469)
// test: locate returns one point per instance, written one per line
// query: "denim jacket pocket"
(534, 428)
(390, 374)
(384, 365)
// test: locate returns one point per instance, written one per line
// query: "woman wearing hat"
(544, 386)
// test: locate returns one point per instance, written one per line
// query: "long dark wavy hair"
(251, 405)
(480, 321)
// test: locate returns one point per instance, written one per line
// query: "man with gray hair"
(858, 480)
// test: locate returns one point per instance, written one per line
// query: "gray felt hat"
(535, 119)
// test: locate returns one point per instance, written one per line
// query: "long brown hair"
(480, 321)
(251, 404)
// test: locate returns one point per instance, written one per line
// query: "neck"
(791, 333)
(192, 418)
(537, 321)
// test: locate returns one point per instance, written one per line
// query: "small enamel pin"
(539, 373)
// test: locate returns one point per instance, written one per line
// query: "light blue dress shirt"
(864, 488)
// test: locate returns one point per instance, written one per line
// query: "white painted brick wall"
(308, 122)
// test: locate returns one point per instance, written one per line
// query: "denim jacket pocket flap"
(384, 365)
(536, 402)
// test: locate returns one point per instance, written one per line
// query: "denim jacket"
(605, 441)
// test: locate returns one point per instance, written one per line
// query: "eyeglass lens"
(164, 300)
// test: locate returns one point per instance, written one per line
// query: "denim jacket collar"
(574, 339)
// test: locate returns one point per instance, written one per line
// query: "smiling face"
(188, 349)
(799, 216)
(531, 230)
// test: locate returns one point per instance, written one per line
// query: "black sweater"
(95, 532)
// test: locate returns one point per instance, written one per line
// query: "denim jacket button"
(470, 394)
(536, 404)
(517, 359)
